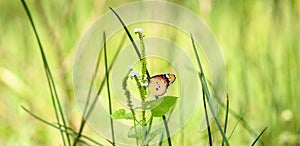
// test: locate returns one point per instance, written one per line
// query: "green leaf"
(121, 114)
(152, 103)
(164, 106)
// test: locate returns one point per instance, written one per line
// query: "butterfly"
(159, 84)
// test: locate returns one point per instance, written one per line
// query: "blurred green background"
(259, 40)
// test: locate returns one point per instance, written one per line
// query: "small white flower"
(132, 74)
(138, 30)
(130, 67)
(144, 84)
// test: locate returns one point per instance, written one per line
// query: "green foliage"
(121, 114)
(165, 104)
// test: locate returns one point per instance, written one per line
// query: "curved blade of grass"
(87, 111)
(257, 138)
(58, 127)
(49, 77)
(127, 32)
(226, 116)
(206, 91)
(108, 90)
(130, 38)
(206, 118)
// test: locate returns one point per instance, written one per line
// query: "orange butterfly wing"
(159, 84)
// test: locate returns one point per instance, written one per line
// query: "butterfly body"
(159, 84)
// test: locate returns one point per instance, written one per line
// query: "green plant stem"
(143, 59)
(144, 123)
(134, 124)
(129, 103)
(167, 130)
(143, 88)
(108, 90)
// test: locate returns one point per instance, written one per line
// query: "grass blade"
(257, 138)
(207, 94)
(167, 130)
(226, 117)
(127, 32)
(206, 117)
(108, 90)
(130, 38)
(49, 77)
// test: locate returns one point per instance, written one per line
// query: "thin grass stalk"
(167, 130)
(130, 38)
(86, 109)
(73, 134)
(54, 105)
(257, 138)
(226, 116)
(233, 129)
(58, 102)
(49, 76)
(206, 118)
(206, 91)
(162, 136)
(57, 50)
(139, 55)
(108, 90)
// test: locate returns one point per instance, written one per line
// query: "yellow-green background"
(259, 39)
